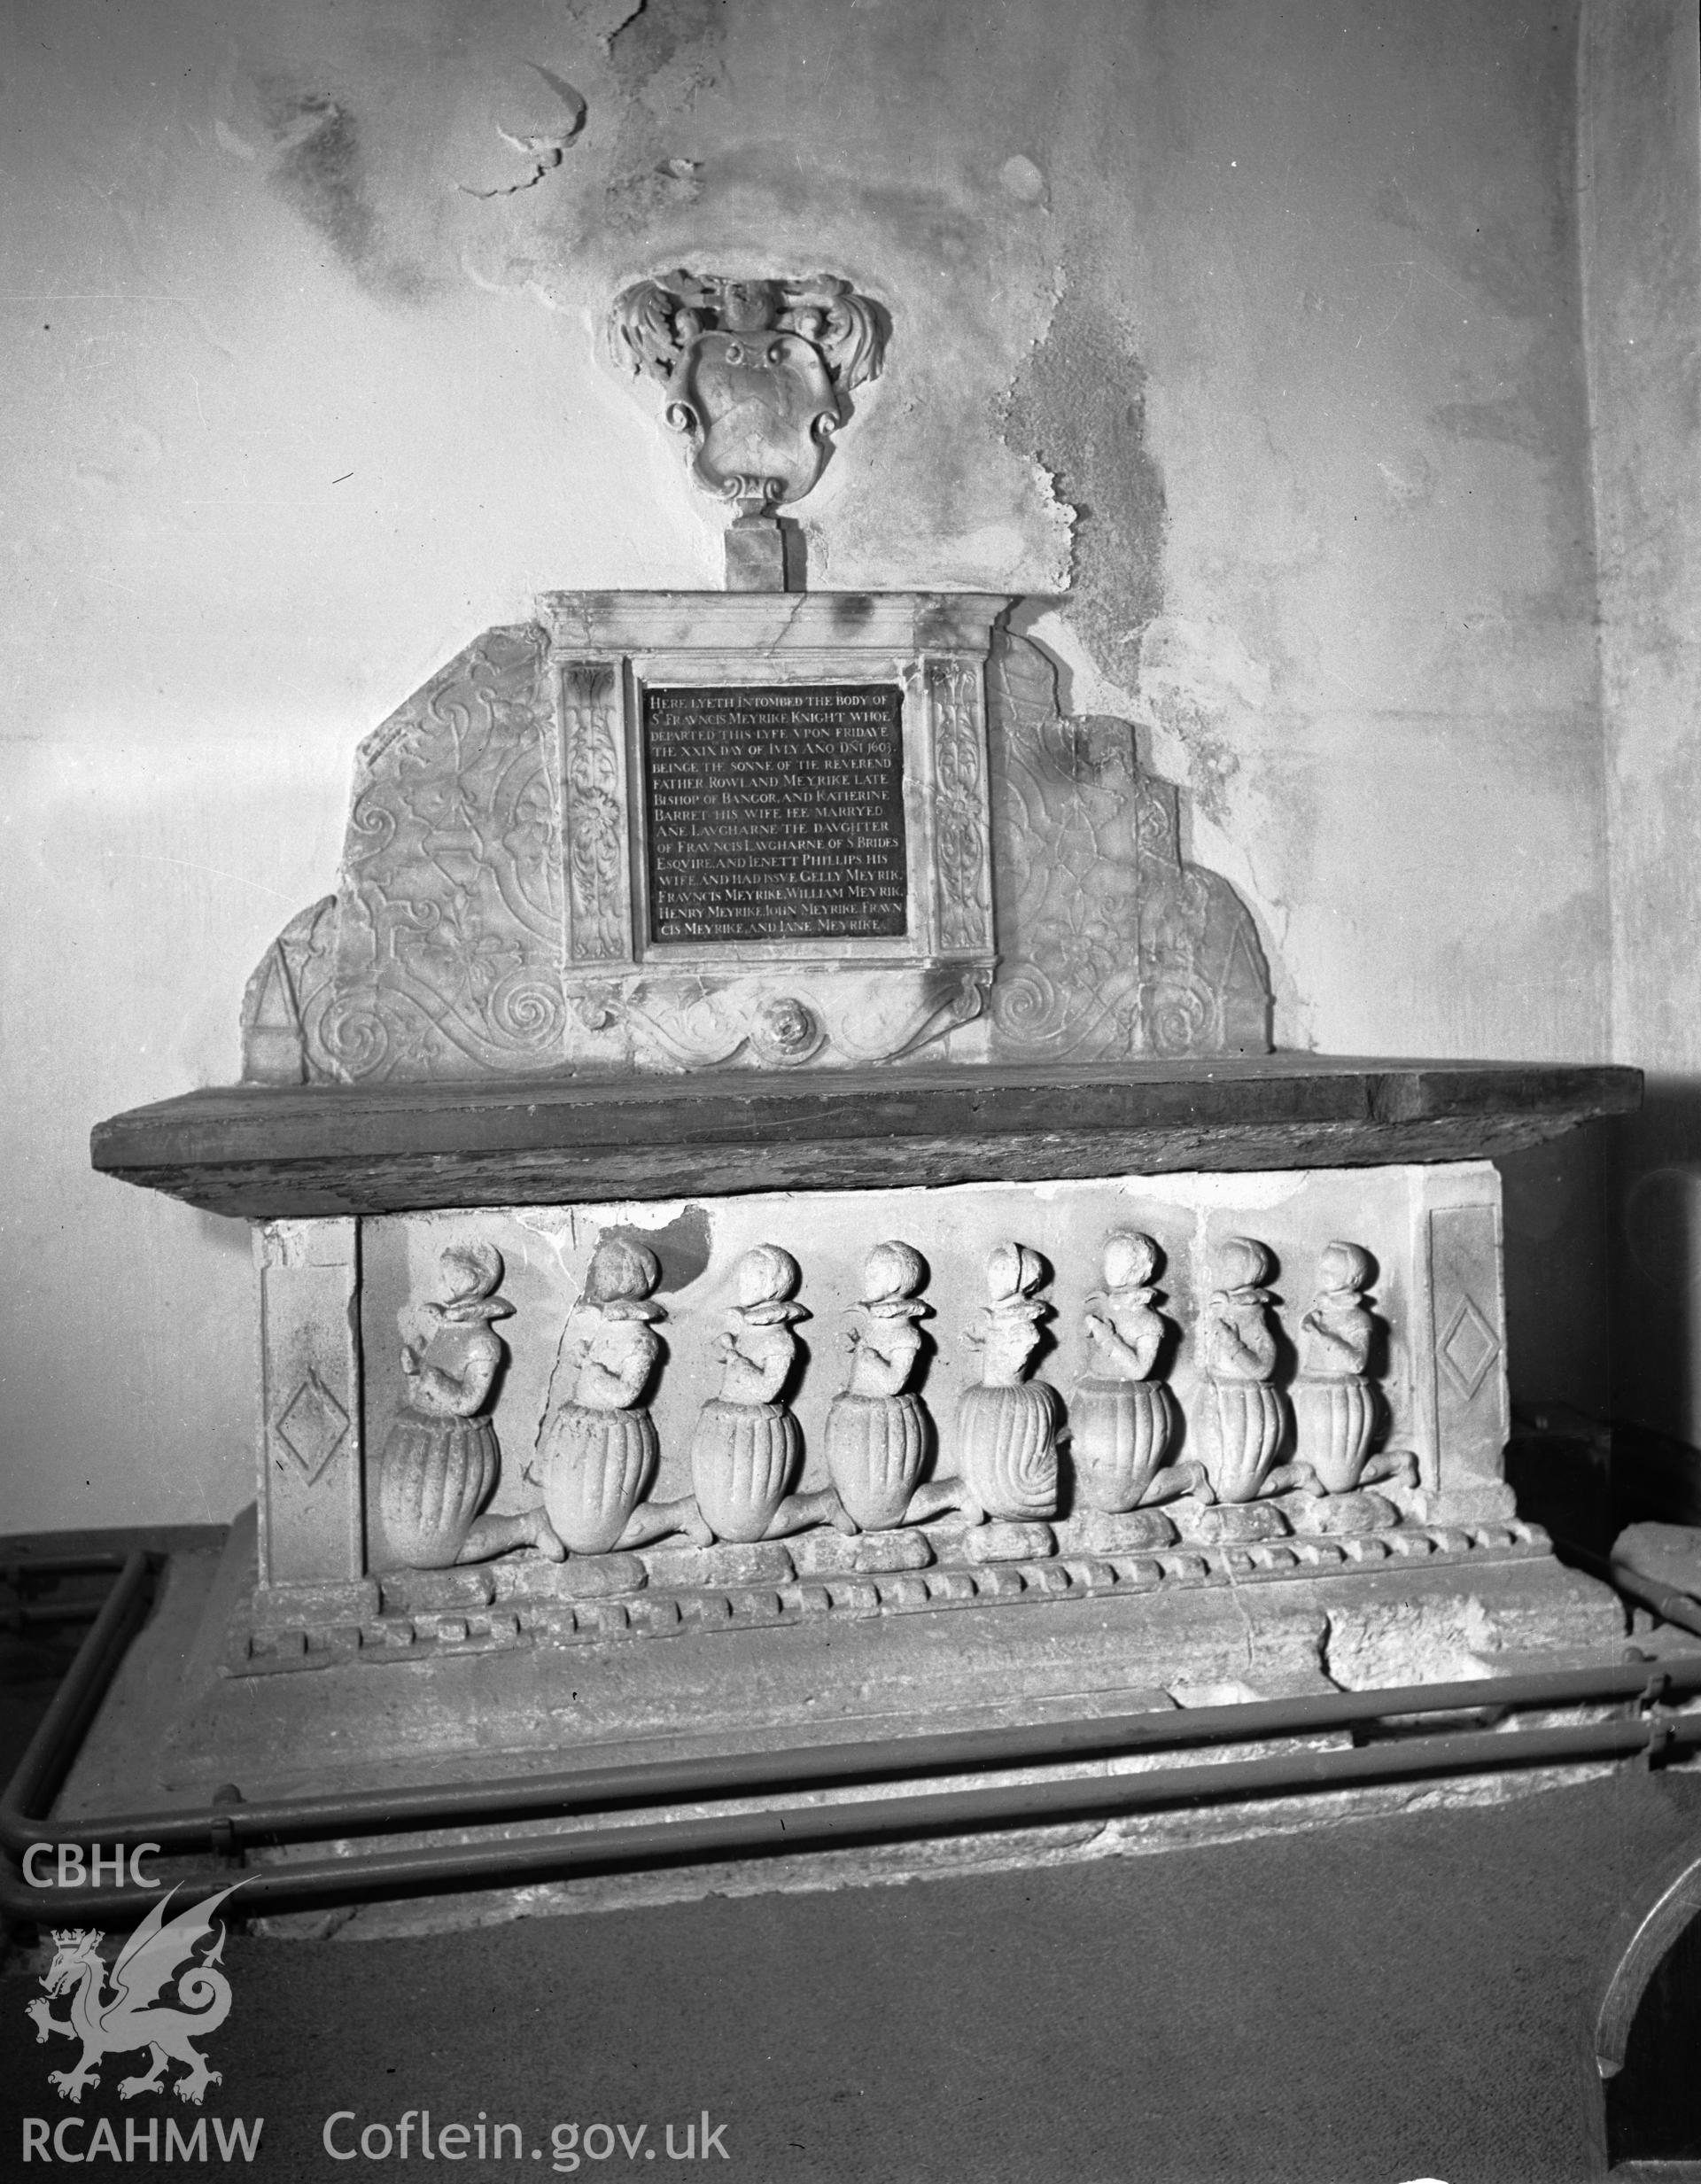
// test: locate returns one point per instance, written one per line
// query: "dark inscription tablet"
(776, 813)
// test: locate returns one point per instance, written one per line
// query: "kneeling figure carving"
(600, 1449)
(441, 1459)
(748, 1445)
(878, 1430)
(1123, 1421)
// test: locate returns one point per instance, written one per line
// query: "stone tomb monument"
(776, 1220)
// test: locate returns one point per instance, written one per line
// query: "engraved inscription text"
(776, 813)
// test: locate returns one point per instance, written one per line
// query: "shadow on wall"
(1655, 1196)
(1554, 1199)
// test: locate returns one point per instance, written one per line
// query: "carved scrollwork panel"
(449, 916)
(960, 848)
(594, 774)
(286, 994)
(1112, 943)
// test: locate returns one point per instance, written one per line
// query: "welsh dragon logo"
(132, 2015)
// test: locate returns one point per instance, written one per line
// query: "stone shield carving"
(759, 373)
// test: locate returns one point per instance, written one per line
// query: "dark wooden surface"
(1641, 2083)
(331, 1149)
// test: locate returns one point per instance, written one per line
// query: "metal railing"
(899, 1771)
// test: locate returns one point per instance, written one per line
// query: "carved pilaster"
(1462, 1376)
(311, 1486)
(961, 857)
(593, 827)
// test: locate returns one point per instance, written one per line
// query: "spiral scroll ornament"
(527, 1008)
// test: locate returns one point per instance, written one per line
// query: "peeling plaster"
(1020, 179)
(1079, 410)
(681, 1244)
(546, 150)
(1408, 481)
(1195, 679)
(630, 201)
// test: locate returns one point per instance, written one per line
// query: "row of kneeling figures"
(601, 1453)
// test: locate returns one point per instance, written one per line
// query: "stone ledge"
(740, 1589)
(276, 1153)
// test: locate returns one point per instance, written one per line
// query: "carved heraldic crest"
(759, 373)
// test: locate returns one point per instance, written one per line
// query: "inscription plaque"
(776, 813)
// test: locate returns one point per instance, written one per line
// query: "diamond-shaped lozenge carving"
(312, 1425)
(1467, 1348)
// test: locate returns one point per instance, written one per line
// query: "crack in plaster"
(644, 43)
(631, 17)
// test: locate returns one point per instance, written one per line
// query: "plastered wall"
(1641, 194)
(1249, 332)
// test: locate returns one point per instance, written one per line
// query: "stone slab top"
(272, 1153)
(771, 622)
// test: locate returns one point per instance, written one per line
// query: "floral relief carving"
(959, 841)
(286, 992)
(600, 920)
(447, 947)
(695, 1022)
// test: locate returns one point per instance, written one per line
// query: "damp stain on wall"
(654, 34)
(1078, 409)
(321, 172)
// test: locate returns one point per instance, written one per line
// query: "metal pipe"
(749, 1774)
(91, 1564)
(673, 1839)
(24, 1580)
(709, 1837)
(50, 1751)
(1670, 1606)
(51, 1615)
